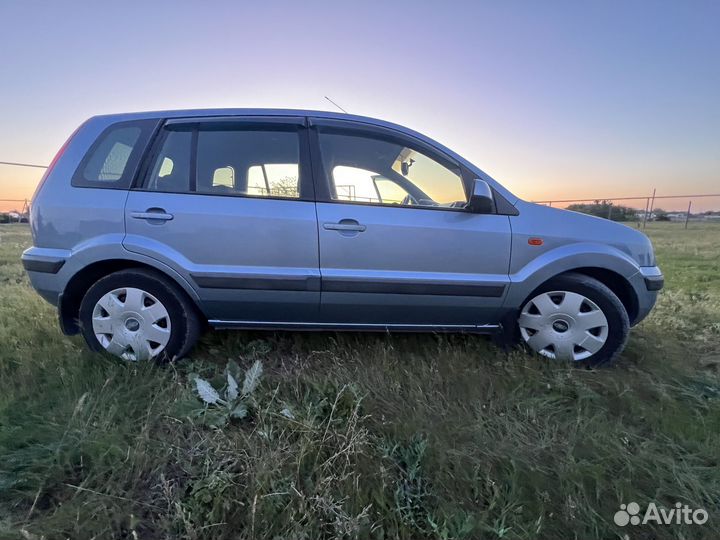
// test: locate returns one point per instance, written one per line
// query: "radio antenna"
(338, 106)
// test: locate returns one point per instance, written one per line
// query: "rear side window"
(111, 162)
(240, 162)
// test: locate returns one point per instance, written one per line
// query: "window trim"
(306, 185)
(148, 129)
(318, 126)
(192, 181)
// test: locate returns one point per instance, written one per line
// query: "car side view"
(149, 226)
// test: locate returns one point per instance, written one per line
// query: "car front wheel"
(137, 315)
(574, 318)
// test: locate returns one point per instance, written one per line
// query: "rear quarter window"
(111, 162)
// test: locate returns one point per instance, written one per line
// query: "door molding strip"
(371, 327)
(341, 285)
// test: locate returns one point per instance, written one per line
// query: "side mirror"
(481, 198)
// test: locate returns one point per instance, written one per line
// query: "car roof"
(193, 113)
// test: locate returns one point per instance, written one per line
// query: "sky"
(555, 100)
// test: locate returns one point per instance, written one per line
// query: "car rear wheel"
(138, 315)
(574, 318)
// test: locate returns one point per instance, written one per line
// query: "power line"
(631, 198)
(23, 164)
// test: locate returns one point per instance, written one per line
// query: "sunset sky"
(556, 99)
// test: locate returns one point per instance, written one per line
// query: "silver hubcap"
(563, 325)
(131, 323)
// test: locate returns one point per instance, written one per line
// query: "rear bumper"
(43, 267)
(43, 264)
(48, 275)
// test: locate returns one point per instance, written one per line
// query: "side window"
(365, 169)
(355, 184)
(171, 171)
(273, 180)
(111, 161)
(390, 192)
(360, 185)
(248, 162)
(443, 185)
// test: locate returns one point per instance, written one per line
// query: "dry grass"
(364, 436)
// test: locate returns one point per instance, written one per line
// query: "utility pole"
(652, 202)
(687, 216)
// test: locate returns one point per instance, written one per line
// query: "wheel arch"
(614, 281)
(83, 279)
(605, 263)
(617, 283)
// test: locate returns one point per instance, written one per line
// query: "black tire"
(606, 300)
(184, 317)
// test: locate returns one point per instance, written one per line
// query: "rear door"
(397, 246)
(228, 203)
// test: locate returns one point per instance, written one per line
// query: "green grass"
(364, 436)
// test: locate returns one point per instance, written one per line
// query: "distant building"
(650, 215)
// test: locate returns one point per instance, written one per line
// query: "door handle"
(352, 226)
(157, 214)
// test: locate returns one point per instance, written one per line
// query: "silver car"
(149, 226)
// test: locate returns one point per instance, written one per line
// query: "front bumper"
(647, 283)
(654, 283)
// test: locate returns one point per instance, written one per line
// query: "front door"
(228, 204)
(397, 246)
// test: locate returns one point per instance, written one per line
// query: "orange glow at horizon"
(17, 184)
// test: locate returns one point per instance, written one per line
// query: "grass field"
(364, 436)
